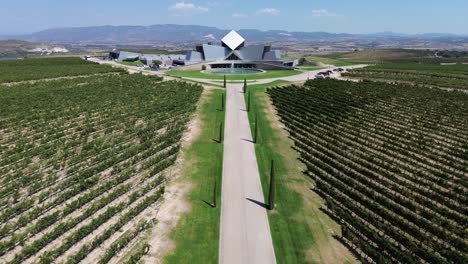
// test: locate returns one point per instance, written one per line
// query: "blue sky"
(340, 16)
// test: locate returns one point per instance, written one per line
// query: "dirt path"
(175, 202)
(245, 232)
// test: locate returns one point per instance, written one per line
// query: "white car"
(320, 76)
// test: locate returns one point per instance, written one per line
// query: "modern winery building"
(233, 53)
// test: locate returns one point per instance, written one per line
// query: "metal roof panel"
(233, 40)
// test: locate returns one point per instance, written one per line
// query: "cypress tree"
(256, 128)
(271, 196)
(245, 85)
(214, 193)
(225, 81)
(221, 132)
(222, 102)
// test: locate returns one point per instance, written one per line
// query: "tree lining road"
(245, 232)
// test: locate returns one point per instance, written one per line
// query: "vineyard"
(447, 76)
(34, 69)
(390, 162)
(83, 163)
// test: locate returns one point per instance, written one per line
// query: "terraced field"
(83, 164)
(391, 163)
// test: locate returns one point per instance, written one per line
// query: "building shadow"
(258, 203)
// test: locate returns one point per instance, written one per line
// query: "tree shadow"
(258, 203)
(248, 140)
(209, 204)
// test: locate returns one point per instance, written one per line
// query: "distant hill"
(194, 33)
(13, 48)
(167, 33)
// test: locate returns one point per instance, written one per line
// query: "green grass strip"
(197, 234)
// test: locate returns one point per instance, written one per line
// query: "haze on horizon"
(338, 16)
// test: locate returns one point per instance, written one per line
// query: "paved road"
(295, 78)
(245, 231)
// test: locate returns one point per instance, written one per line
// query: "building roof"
(233, 40)
(125, 55)
(215, 53)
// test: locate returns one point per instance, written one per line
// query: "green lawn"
(265, 75)
(311, 68)
(325, 59)
(197, 234)
(131, 63)
(301, 232)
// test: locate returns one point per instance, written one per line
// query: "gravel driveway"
(245, 231)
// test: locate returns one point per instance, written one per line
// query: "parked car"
(326, 74)
(339, 70)
(320, 76)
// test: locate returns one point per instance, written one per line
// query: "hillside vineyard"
(35, 69)
(85, 154)
(390, 162)
(445, 76)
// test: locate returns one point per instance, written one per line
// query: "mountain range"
(193, 33)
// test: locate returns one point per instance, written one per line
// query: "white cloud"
(239, 15)
(323, 13)
(188, 8)
(268, 11)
